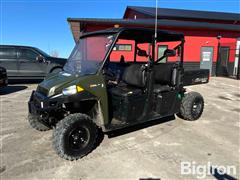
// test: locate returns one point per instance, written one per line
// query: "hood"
(54, 84)
(60, 61)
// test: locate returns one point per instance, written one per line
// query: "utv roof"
(141, 35)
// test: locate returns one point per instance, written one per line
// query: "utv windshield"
(88, 54)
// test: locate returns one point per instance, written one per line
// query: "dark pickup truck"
(24, 62)
(3, 77)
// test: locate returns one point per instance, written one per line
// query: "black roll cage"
(178, 47)
(141, 35)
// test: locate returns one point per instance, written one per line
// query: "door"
(29, 66)
(8, 60)
(206, 58)
(236, 62)
(222, 64)
(161, 50)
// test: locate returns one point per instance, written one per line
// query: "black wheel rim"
(78, 138)
(197, 108)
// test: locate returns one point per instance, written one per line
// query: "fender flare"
(55, 67)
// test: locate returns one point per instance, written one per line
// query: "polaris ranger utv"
(96, 92)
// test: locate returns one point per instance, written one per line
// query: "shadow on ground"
(140, 126)
(24, 81)
(12, 89)
(224, 98)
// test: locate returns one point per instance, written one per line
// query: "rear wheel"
(191, 106)
(75, 136)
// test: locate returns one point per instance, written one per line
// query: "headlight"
(52, 91)
(72, 90)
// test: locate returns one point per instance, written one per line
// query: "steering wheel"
(109, 73)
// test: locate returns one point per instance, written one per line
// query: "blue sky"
(43, 23)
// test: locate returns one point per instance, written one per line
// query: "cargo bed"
(194, 77)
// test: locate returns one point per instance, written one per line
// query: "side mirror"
(40, 58)
(142, 53)
(169, 53)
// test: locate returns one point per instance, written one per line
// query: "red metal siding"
(192, 51)
(128, 55)
(195, 39)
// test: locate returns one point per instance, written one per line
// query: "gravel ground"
(152, 152)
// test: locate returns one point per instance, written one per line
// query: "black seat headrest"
(135, 75)
(165, 74)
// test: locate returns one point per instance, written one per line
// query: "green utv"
(95, 94)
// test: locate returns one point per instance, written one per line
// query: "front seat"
(133, 81)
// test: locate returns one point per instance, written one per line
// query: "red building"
(212, 38)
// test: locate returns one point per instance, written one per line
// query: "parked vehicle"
(94, 93)
(3, 77)
(23, 62)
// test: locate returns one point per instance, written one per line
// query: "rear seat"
(165, 77)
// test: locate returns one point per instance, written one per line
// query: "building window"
(123, 47)
(161, 49)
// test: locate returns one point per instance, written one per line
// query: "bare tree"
(54, 53)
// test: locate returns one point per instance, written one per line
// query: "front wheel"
(191, 106)
(75, 136)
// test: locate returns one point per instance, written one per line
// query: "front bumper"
(40, 104)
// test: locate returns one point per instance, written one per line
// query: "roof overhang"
(140, 35)
(168, 13)
(78, 25)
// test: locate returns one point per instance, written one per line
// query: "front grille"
(42, 90)
(38, 99)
